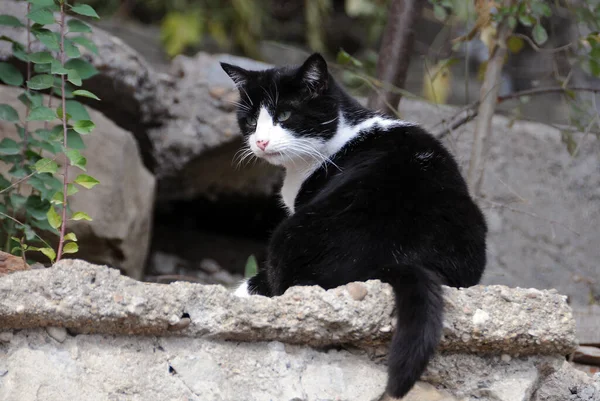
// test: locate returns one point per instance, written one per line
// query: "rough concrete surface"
(85, 332)
(33, 366)
(88, 298)
(568, 383)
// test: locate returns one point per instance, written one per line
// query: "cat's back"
(390, 165)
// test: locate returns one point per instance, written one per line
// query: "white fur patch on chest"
(294, 178)
(296, 175)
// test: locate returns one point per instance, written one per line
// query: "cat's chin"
(275, 158)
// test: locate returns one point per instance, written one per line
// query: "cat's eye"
(284, 116)
(251, 121)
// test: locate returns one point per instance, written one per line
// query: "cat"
(368, 196)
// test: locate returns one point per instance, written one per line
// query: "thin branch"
(542, 50)
(18, 222)
(471, 111)
(496, 205)
(29, 175)
(63, 226)
(487, 109)
(395, 51)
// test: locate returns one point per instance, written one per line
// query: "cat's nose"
(262, 144)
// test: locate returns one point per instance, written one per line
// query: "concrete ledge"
(490, 320)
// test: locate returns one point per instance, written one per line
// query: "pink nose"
(262, 144)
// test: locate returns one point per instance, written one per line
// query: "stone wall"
(86, 332)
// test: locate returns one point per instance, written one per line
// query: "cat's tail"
(419, 306)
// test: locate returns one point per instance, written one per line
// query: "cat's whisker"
(251, 102)
(330, 121)
(242, 106)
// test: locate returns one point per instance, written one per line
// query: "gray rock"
(94, 299)
(6, 336)
(489, 377)
(568, 383)
(121, 205)
(541, 203)
(132, 92)
(95, 367)
(57, 333)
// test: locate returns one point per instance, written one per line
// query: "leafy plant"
(251, 267)
(35, 189)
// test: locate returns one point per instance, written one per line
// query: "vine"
(44, 158)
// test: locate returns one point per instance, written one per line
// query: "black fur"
(397, 209)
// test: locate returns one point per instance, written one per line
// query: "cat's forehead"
(273, 86)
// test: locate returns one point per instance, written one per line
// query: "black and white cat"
(369, 197)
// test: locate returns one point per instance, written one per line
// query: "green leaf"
(345, 58)
(84, 9)
(512, 22)
(83, 126)
(81, 216)
(49, 252)
(41, 113)
(4, 183)
(76, 25)
(48, 38)
(53, 218)
(17, 200)
(83, 68)
(46, 166)
(57, 68)
(19, 52)
(41, 68)
(74, 140)
(36, 207)
(70, 247)
(41, 57)
(526, 20)
(42, 81)
(71, 50)
(251, 267)
(41, 16)
(29, 236)
(77, 110)
(30, 99)
(74, 78)
(540, 8)
(439, 12)
(72, 189)
(84, 93)
(57, 199)
(179, 30)
(85, 42)
(71, 237)
(9, 20)
(9, 147)
(539, 34)
(86, 181)
(8, 113)
(10, 75)
(76, 158)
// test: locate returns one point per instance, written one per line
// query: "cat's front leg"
(256, 285)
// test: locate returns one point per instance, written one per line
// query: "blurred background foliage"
(553, 41)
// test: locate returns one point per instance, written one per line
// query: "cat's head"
(287, 114)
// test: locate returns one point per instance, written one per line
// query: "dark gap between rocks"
(210, 241)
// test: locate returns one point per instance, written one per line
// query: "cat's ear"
(313, 73)
(239, 75)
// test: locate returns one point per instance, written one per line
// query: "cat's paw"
(242, 290)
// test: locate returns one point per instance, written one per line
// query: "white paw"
(242, 290)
